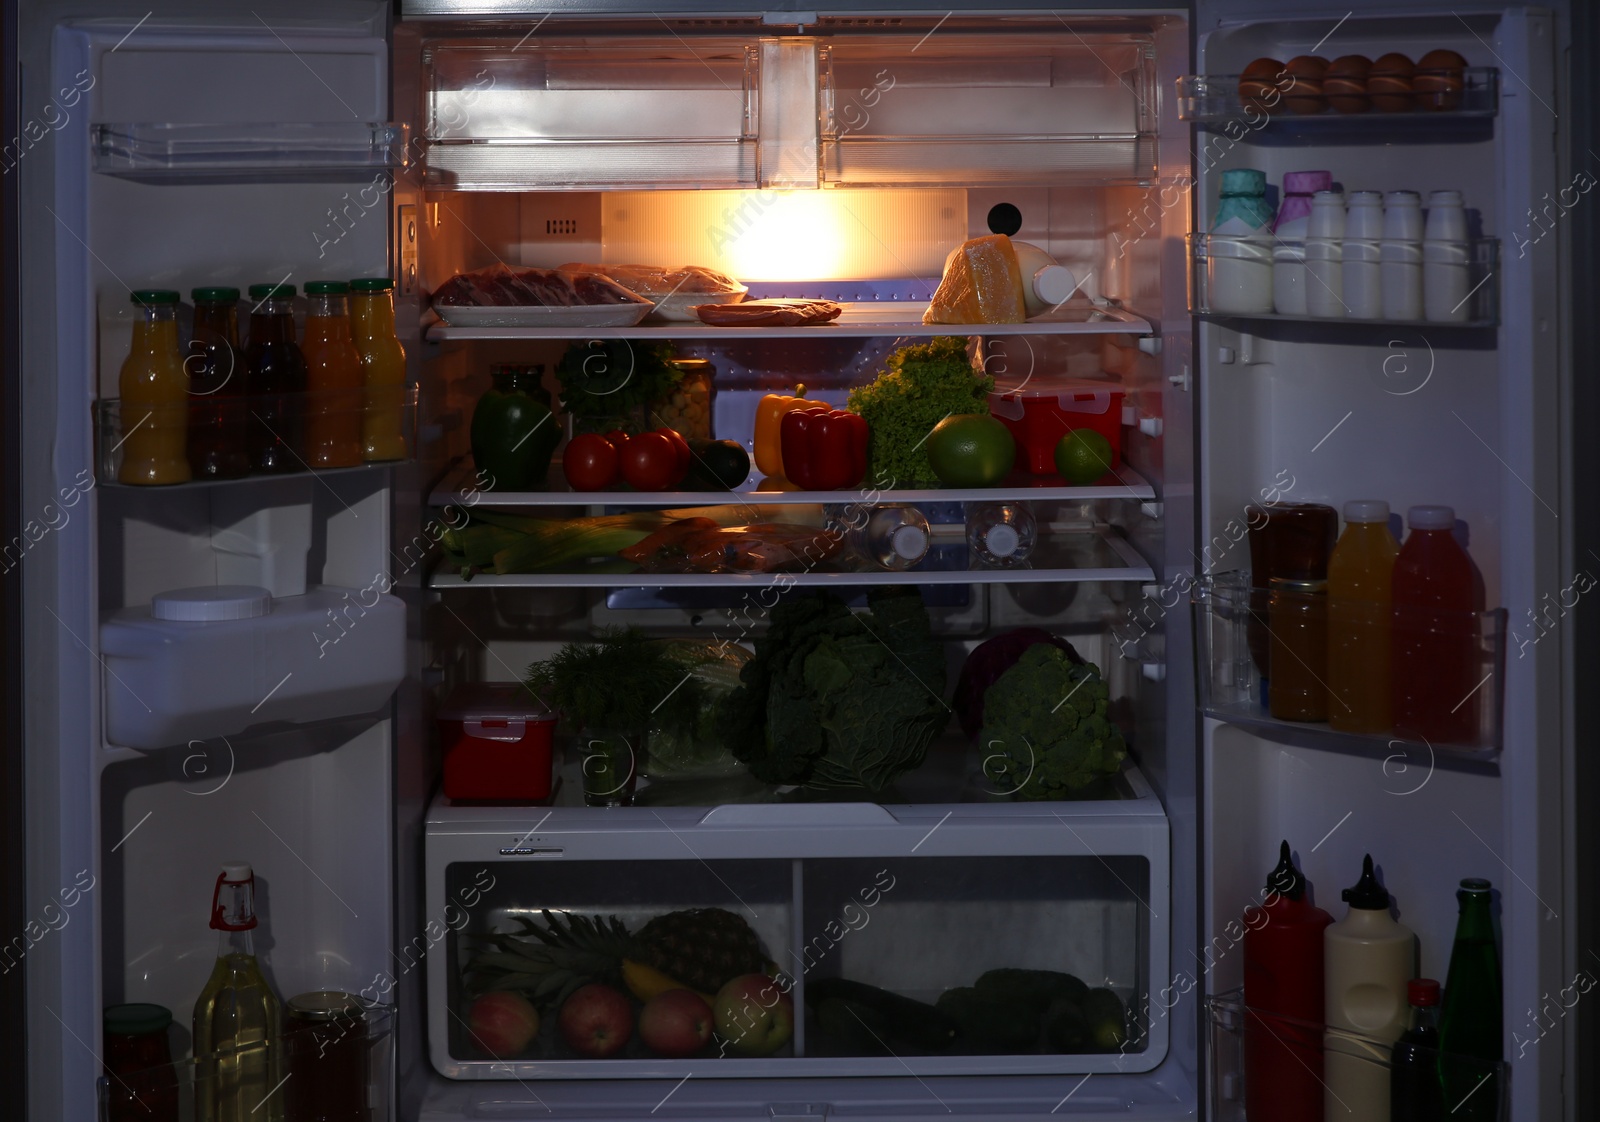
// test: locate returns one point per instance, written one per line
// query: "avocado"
(1032, 991)
(989, 1022)
(1066, 1029)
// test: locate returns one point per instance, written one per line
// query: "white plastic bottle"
(1289, 232)
(1325, 256)
(1000, 535)
(1400, 253)
(895, 536)
(1368, 957)
(1444, 259)
(1359, 269)
(1045, 284)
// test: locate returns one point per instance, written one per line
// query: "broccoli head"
(1046, 733)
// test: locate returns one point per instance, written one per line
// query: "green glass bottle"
(1470, 1020)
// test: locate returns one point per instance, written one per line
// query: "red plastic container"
(1046, 407)
(496, 740)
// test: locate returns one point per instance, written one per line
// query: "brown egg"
(1258, 81)
(1389, 83)
(1305, 96)
(1440, 80)
(1345, 84)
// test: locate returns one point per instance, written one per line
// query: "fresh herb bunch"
(923, 385)
(623, 680)
(604, 377)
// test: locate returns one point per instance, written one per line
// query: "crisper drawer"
(592, 114)
(825, 940)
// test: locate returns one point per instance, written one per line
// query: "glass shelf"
(1232, 643)
(241, 414)
(458, 488)
(269, 151)
(1100, 554)
(1212, 101)
(893, 318)
(1232, 279)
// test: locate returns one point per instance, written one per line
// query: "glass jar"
(142, 1083)
(1297, 687)
(610, 762)
(687, 409)
(325, 1047)
(1292, 540)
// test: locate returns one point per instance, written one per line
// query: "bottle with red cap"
(237, 1019)
(1415, 1092)
(1283, 988)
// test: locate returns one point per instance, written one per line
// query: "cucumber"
(851, 1028)
(990, 1022)
(1066, 1029)
(1032, 991)
(904, 1019)
(1108, 1020)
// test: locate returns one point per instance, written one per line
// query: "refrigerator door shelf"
(279, 151)
(1212, 101)
(332, 652)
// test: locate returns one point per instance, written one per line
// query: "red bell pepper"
(824, 449)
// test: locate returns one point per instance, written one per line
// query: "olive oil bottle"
(237, 1019)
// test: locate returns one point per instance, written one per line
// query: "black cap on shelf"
(1286, 880)
(1005, 218)
(1367, 893)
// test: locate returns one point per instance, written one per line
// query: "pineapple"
(701, 948)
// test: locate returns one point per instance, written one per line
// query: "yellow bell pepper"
(769, 419)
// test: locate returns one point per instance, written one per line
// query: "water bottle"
(894, 536)
(1000, 535)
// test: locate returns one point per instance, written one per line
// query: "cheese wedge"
(982, 284)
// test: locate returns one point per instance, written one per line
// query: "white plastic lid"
(1054, 284)
(1366, 510)
(1444, 198)
(211, 603)
(1402, 198)
(235, 872)
(910, 542)
(1431, 518)
(493, 701)
(1365, 198)
(1001, 540)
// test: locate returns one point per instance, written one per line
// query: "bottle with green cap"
(1470, 1020)
(383, 368)
(1238, 248)
(218, 387)
(276, 427)
(1368, 958)
(155, 394)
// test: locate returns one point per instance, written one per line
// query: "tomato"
(590, 462)
(681, 447)
(650, 462)
(618, 438)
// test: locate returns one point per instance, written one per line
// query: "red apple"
(596, 1021)
(754, 1015)
(502, 1023)
(676, 1023)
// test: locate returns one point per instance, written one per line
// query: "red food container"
(1048, 406)
(496, 743)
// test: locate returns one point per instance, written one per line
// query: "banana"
(645, 982)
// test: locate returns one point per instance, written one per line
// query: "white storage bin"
(218, 664)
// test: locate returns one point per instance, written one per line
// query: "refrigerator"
(812, 152)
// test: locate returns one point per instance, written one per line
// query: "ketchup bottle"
(1283, 955)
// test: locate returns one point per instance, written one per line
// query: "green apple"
(755, 1016)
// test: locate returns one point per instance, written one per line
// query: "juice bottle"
(218, 387)
(334, 406)
(1359, 574)
(237, 1018)
(1368, 959)
(383, 367)
(155, 394)
(1436, 665)
(1284, 991)
(276, 426)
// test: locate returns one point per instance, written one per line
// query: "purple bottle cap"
(1298, 187)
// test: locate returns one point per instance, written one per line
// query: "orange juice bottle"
(335, 406)
(1359, 575)
(383, 367)
(154, 388)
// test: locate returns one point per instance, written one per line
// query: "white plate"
(680, 306)
(576, 315)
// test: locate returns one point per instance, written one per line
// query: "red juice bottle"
(218, 387)
(1283, 993)
(1435, 646)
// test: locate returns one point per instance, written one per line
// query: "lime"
(971, 450)
(1082, 456)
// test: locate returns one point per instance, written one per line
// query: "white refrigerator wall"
(311, 809)
(1411, 416)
